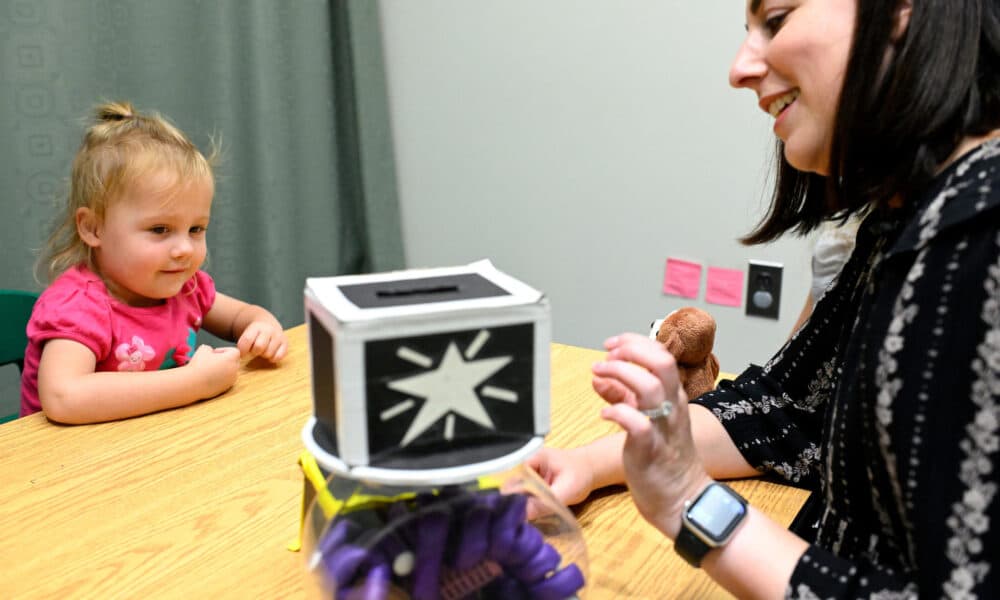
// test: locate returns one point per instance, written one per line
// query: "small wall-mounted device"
(764, 289)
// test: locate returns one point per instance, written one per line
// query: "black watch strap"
(690, 547)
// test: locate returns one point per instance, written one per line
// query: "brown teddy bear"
(689, 334)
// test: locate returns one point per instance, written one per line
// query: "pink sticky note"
(724, 286)
(682, 278)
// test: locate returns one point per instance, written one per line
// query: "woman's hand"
(661, 464)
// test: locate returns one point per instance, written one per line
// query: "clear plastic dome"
(500, 536)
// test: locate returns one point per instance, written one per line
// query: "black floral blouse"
(886, 403)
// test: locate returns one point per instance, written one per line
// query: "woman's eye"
(773, 23)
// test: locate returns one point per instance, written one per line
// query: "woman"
(886, 401)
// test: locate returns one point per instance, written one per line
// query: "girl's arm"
(70, 391)
(254, 329)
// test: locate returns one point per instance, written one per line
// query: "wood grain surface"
(201, 501)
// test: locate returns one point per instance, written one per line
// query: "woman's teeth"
(779, 104)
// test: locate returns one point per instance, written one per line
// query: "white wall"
(578, 144)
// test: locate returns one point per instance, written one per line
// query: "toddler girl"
(126, 295)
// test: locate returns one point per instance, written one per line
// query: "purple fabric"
(526, 544)
(432, 534)
(376, 583)
(504, 529)
(545, 560)
(343, 562)
(451, 533)
(473, 539)
(335, 536)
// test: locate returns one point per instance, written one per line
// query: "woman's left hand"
(661, 464)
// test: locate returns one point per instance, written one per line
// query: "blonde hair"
(121, 146)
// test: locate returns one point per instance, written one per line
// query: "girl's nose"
(182, 247)
(748, 67)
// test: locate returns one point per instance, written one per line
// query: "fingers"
(535, 463)
(263, 341)
(647, 353)
(624, 338)
(635, 424)
(281, 351)
(613, 391)
(638, 372)
(253, 341)
(536, 509)
(646, 389)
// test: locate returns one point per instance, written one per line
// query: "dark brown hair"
(899, 117)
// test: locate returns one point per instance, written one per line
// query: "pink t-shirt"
(77, 307)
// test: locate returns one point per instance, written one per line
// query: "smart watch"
(709, 521)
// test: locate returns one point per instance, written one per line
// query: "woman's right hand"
(661, 464)
(215, 369)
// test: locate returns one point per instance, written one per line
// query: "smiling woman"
(885, 403)
(798, 74)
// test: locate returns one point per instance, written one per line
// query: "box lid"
(411, 292)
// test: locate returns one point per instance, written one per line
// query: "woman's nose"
(749, 66)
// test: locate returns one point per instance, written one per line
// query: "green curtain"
(295, 91)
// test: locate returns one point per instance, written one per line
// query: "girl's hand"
(661, 465)
(215, 368)
(567, 473)
(264, 338)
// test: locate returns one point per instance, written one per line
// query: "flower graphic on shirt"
(133, 356)
(182, 354)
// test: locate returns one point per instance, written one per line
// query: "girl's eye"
(159, 229)
(773, 23)
(198, 229)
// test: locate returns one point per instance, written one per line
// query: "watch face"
(716, 512)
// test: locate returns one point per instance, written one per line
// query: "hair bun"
(115, 111)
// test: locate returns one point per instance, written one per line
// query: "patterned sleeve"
(773, 434)
(774, 413)
(71, 313)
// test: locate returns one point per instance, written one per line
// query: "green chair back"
(15, 310)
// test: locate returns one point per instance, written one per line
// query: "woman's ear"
(902, 19)
(88, 227)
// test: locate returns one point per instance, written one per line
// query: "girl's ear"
(88, 227)
(902, 20)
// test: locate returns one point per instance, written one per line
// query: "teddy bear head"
(689, 334)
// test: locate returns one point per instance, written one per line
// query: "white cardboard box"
(424, 375)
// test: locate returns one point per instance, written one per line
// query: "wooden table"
(200, 502)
